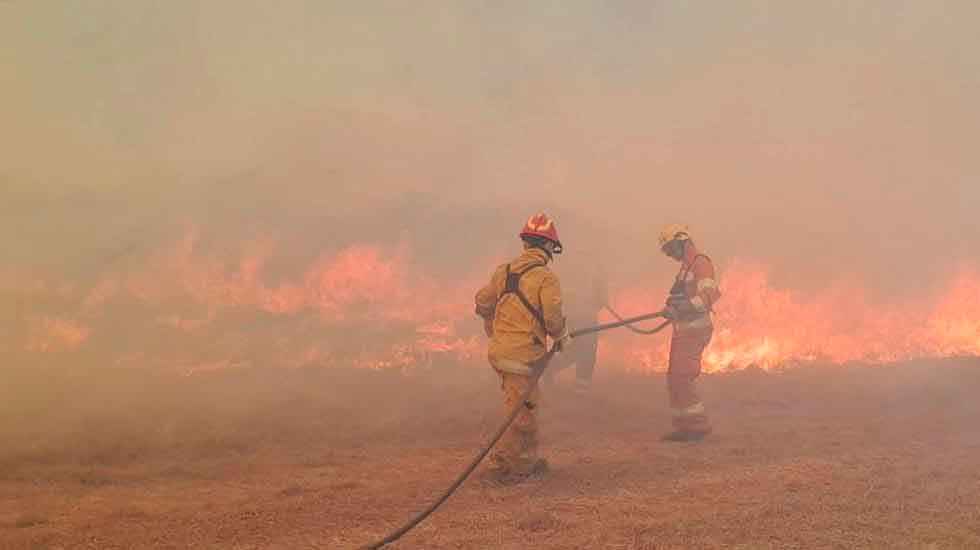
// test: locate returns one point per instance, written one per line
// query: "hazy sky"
(817, 135)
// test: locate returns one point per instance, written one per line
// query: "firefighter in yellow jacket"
(521, 307)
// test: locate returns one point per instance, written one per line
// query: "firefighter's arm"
(707, 292)
(486, 303)
(551, 307)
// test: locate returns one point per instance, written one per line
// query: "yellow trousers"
(517, 450)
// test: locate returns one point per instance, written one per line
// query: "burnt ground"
(815, 458)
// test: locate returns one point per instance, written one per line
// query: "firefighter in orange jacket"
(689, 306)
(521, 307)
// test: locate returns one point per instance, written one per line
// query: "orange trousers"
(686, 349)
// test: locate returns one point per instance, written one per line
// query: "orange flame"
(759, 325)
(370, 306)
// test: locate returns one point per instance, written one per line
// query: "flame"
(760, 325)
(375, 309)
(368, 305)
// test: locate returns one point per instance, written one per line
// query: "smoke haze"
(825, 139)
(240, 239)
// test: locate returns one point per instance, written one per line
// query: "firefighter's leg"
(517, 450)
(558, 363)
(686, 349)
(586, 351)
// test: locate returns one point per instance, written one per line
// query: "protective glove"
(562, 340)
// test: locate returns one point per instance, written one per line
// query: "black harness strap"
(690, 266)
(681, 278)
(512, 286)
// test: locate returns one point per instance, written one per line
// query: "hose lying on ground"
(420, 517)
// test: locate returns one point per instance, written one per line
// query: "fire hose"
(535, 375)
(628, 323)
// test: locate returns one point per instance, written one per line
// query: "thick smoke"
(826, 140)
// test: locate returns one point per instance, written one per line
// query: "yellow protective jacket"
(517, 338)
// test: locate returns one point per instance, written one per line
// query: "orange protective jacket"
(697, 274)
(517, 338)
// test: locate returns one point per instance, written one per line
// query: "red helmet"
(541, 225)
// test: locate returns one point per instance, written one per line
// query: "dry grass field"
(814, 458)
